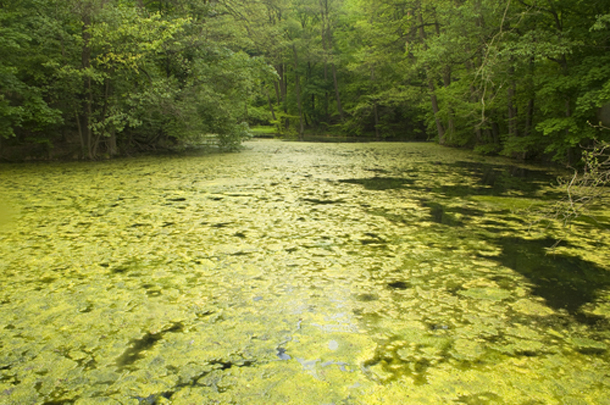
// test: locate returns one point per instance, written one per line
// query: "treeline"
(95, 78)
(518, 77)
(522, 78)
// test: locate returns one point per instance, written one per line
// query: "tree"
(24, 112)
(112, 75)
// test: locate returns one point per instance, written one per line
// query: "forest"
(91, 79)
(429, 224)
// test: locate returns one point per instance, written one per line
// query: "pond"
(299, 273)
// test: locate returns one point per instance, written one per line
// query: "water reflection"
(502, 179)
(566, 283)
(380, 183)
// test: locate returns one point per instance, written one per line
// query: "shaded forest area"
(91, 79)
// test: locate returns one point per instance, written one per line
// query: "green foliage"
(117, 75)
(521, 79)
(22, 101)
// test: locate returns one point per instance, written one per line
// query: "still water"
(296, 273)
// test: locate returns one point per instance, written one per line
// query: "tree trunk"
(451, 115)
(284, 85)
(529, 117)
(297, 87)
(376, 113)
(570, 154)
(433, 100)
(271, 105)
(478, 134)
(324, 33)
(80, 133)
(112, 149)
(529, 113)
(104, 130)
(278, 96)
(435, 110)
(337, 95)
(281, 94)
(326, 95)
(375, 109)
(512, 109)
(495, 131)
(87, 95)
(327, 43)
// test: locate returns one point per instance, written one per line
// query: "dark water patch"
(221, 224)
(499, 179)
(86, 363)
(589, 346)
(527, 353)
(454, 289)
(399, 285)
(322, 201)
(390, 216)
(282, 355)
(227, 364)
(119, 269)
(60, 401)
(440, 215)
(87, 308)
(377, 170)
(437, 326)
(242, 253)
(199, 380)
(372, 242)
(373, 239)
(491, 180)
(481, 398)
(329, 139)
(177, 199)
(139, 225)
(593, 222)
(451, 216)
(380, 183)
(367, 297)
(565, 282)
(593, 321)
(153, 399)
(139, 346)
(396, 368)
(204, 313)
(490, 223)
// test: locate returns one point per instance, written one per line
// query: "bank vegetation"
(91, 79)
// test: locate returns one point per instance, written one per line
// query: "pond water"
(298, 273)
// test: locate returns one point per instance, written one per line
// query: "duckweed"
(298, 273)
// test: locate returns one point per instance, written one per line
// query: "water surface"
(301, 274)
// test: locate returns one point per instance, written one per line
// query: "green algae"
(297, 273)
